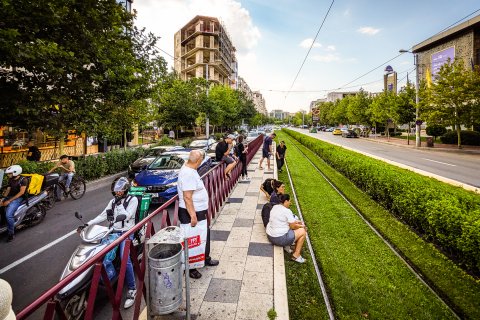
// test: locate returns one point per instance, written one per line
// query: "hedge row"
(468, 138)
(446, 215)
(94, 166)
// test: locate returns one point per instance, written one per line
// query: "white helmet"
(15, 170)
(122, 184)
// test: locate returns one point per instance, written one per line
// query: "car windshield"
(198, 143)
(154, 152)
(167, 161)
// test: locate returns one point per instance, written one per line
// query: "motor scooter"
(73, 297)
(30, 213)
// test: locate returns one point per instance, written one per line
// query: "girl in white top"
(283, 229)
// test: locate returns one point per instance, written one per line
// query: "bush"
(446, 215)
(186, 142)
(436, 130)
(218, 136)
(468, 138)
(166, 141)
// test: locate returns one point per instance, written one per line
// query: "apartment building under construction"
(203, 44)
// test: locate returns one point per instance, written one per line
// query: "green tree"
(357, 108)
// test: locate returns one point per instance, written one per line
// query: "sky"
(272, 39)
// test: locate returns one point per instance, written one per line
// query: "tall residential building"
(334, 96)
(204, 43)
(279, 114)
(242, 86)
(259, 102)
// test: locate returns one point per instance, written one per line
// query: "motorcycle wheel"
(36, 214)
(75, 306)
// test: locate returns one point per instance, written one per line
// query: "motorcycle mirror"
(78, 216)
(120, 217)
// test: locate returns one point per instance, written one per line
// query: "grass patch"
(365, 278)
(458, 287)
(412, 138)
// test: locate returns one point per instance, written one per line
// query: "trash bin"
(165, 278)
(430, 142)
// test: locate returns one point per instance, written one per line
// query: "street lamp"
(417, 120)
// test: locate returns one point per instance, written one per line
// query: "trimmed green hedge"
(94, 166)
(468, 138)
(446, 215)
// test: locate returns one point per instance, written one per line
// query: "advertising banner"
(440, 58)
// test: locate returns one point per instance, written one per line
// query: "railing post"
(93, 290)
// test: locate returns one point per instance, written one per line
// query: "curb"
(103, 181)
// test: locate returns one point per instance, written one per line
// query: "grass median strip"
(364, 277)
(454, 284)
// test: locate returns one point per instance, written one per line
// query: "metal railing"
(218, 189)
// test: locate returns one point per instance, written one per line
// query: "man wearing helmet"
(13, 196)
(127, 205)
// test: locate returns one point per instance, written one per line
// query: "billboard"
(440, 58)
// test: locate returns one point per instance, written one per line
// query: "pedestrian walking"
(171, 134)
(280, 155)
(193, 201)
(267, 150)
(242, 151)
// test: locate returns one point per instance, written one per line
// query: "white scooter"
(95, 238)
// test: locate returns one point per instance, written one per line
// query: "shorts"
(228, 159)
(265, 153)
(286, 240)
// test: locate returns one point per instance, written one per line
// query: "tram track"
(397, 253)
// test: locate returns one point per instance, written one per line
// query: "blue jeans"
(10, 211)
(129, 275)
(68, 176)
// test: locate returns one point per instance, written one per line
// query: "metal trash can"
(165, 278)
(430, 142)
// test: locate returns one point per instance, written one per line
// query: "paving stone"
(246, 223)
(257, 178)
(235, 200)
(204, 281)
(217, 311)
(239, 237)
(219, 235)
(225, 218)
(223, 290)
(246, 214)
(230, 270)
(224, 226)
(250, 170)
(255, 263)
(260, 249)
(258, 234)
(253, 306)
(234, 254)
(216, 248)
(259, 206)
(257, 282)
(252, 194)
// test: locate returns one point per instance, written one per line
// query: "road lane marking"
(447, 164)
(34, 253)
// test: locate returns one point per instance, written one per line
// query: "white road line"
(447, 164)
(34, 253)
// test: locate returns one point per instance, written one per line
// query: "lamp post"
(417, 120)
(303, 119)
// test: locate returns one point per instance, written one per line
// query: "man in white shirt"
(193, 201)
(283, 228)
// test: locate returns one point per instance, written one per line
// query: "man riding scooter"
(121, 204)
(13, 197)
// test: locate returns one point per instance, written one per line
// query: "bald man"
(193, 201)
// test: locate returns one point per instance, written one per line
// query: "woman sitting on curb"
(278, 189)
(283, 229)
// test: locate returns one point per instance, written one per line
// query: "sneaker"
(130, 300)
(246, 179)
(67, 190)
(287, 249)
(300, 259)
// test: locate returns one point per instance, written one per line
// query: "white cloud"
(368, 30)
(331, 48)
(308, 42)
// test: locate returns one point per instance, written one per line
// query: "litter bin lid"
(167, 235)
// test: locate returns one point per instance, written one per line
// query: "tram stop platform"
(250, 279)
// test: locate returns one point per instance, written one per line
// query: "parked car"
(148, 158)
(330, 129)
(252, 135)
(349, 134)
(313, 130)
(160, 177)
(207, 145)
(337, 132)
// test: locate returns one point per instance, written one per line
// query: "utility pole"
(207, 124)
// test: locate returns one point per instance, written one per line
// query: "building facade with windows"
(203, 49)
(279, 114)
(259, 102)
(334, 96)
(243, 86)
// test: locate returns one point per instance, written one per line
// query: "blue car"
(160, 177)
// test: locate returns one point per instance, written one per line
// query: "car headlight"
(171, 185)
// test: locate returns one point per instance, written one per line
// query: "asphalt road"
(29, 279)
(461, 167)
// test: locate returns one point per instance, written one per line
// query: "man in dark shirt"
(280, 154)
(13, 196)
(34, 153)
(267, 150)
(222, 152)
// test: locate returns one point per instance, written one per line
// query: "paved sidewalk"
(250, 279)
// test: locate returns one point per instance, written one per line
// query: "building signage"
(440, 58)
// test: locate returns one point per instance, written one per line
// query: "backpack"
(34, 183)
(267, 207)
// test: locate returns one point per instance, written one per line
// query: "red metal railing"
(218, 189)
